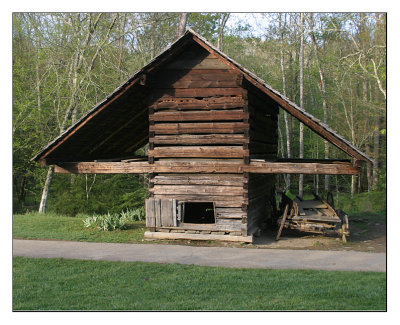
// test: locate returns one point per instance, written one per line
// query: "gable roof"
(131, 88)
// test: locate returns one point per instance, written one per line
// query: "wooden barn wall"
(197, 111)
(263, 145)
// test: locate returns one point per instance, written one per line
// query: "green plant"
(108, 222)
(137, 214)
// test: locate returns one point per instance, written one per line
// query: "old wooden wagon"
(211, 127)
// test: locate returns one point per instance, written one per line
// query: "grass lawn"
(51, 226)
(100, 285)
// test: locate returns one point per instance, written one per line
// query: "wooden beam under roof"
(258, 167)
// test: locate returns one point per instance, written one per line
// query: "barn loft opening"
(198, 212)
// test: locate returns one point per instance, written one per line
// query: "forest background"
(331, 64)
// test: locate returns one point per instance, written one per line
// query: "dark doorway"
(198, 212)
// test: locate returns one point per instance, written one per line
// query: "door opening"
(198, 212)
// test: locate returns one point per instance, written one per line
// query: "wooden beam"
(168, 235)
(302, 168)
(208, 167)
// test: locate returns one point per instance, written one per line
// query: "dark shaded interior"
(198, 212)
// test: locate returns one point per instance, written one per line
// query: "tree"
(301, 136)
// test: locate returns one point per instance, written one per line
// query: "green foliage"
(134, 214)
(112, 194)
(368, 202)
(114, 221)
(60, 284)
(108, 222)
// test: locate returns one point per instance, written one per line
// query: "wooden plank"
(174, 214)
(206, 180)
(209, 152)
(204, 167)
(308, 204)
(203, 226)
(207, 63)
(282, 222)
(166, 213)
(196, 104)
(163, 235)
(200, 139)
(174, 116)
(299, 207)
(220, 200)
(301, 168)
(195, 92)
(194, 128)
(157, 212)
(150, 213)
(197, 190)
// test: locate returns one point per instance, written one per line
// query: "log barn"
(211, 129)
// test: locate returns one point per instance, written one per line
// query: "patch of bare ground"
(366, 235)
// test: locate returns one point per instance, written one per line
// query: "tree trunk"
(45, 193)
(301, 136)
(375, 165)
(222, 22)
(285, 114)
(182, 21)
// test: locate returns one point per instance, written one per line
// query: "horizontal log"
(219, 201)
(195, 79)
(195, 104)
(166, 235)
(207, 63)
(194, 128)
(197, 190)
(203, 226)
(188, 139)
(210, 152)
(175, 116)
(195, 92)
(207, 180)
(206, 167)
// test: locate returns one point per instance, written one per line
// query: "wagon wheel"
(282, 222)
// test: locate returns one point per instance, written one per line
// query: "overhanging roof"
(128, 89)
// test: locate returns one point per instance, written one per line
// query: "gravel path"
(210, 256)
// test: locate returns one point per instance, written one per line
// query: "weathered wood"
(157, 212)
(162, 235)
(196, 104)
(195, 92)
(200, 139)
(171, 116)
(301, 168)
(174, 214)
(229, 180)
(167, 213)
(207, 63)
(308, 204)
(196, 189)
(204, 167)
(211, 152)
(150, 213)
(194, 128)
(282, 222)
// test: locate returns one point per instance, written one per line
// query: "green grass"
(52, 226)
(100, 285)
(373, 203)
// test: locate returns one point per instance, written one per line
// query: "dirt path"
(210, 256)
